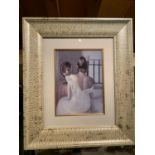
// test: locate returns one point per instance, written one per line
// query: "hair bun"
(82, 64)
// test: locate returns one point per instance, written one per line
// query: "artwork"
(79, 86)
(78, 79)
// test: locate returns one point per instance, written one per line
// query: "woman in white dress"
(86, 82)
(77, 100)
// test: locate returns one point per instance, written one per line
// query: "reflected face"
(67, 71)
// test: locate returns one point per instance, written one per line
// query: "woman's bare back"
(85, 81)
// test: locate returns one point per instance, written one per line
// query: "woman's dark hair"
(64, 66)
(82, 64)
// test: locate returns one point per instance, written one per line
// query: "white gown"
(77, 102)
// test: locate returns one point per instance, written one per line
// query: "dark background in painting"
(71, 8)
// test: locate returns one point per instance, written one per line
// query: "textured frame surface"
(35, 135)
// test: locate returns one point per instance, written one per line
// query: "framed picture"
(78, 82)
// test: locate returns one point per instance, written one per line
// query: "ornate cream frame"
(38, 137)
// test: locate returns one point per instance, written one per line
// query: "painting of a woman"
(77, 100)
(78, 93)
